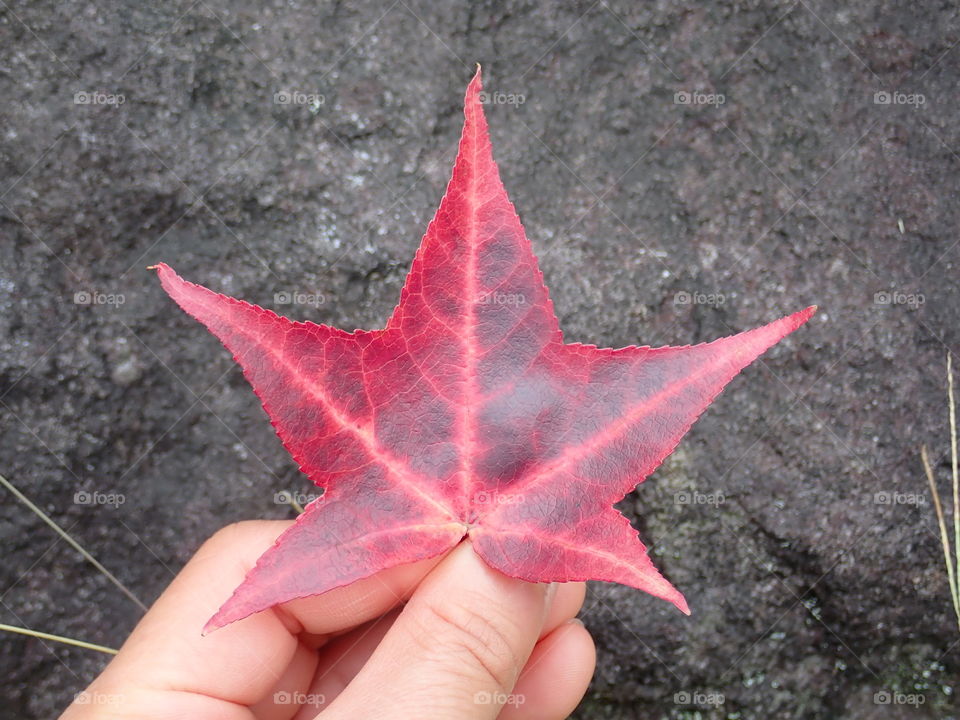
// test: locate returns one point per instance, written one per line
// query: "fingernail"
(548, 597)
(575, 621)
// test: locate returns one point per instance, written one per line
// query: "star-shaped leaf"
(467, 416)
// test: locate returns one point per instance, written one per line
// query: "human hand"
(469, 643)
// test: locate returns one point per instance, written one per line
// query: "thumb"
(457, 648)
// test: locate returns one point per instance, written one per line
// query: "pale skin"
(442, 638)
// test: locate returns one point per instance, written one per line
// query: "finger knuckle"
(229, 534)
(481, 640)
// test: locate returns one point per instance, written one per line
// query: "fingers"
(166, 659)
(340, 661)
(457, 648)
(282, 701)
(555, 677)
(347, 607)
(243, 663)
(566, 604)
(344, 656)
(167, 666)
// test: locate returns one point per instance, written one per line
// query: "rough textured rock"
(656, 221)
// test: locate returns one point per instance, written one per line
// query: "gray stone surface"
(808, 595)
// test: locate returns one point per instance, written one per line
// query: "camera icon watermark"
(93, 297)
(295, 297)
(699, 298)
(501, 298)
(288, 497)
(96, 97)
(913, 301)
(96, 498)
(97, 698)
(696, 97)
(484, 697)
(692, 497)
(892, 697)
(892, 497)
(301, 699)
(702, 698)
(487, 497)
(502, 98)
(314, 101)
(884, 97)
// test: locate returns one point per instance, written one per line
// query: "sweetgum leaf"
(467, 416)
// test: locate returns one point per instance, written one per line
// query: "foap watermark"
(294, 297)
(483, 697)
(698, 498)
(501, 298)
(95, 97)
(314, 101)
(702, 698)
(94, 297)
(97, 698)
(892, 697)
(883, 97)
(697, 97)
(896, 297)
(284, 697)
(288, 497)
(487, 497)
(502, 98)
(699, 298)
(892, 497)
(95, 497)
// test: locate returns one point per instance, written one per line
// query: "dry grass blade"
(953, 468)
(944, 537)
(951, 559)
(73, 543)
(57, 638)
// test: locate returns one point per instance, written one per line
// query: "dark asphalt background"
(794, 517)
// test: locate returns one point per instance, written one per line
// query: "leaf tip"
(221, 617)
(801, 316)
(475, 85)
(160, 267)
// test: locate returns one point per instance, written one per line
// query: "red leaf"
(467, 415)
